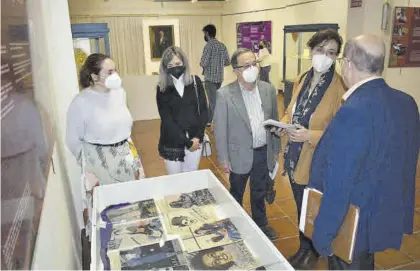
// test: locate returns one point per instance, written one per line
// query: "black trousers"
(259, 179)
(297, 189)
(364, 261)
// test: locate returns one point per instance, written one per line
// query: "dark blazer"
(368, 157)
(179, 116)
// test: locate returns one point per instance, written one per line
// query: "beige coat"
(320, 119)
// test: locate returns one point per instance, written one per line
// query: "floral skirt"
(102, 165)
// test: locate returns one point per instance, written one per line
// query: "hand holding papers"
(279, 125)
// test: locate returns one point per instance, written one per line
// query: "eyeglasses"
(253, 64)
(330, 53)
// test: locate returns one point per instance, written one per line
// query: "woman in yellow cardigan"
(316, 98)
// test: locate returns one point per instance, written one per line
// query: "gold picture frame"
(160, 38)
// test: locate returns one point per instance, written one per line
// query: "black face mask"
(260, 46)
(176, 71)
(206, 38)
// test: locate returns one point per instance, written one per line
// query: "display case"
(296, 55)
(226, 207)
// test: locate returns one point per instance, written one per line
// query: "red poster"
(405, 42)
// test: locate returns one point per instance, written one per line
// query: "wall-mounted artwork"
(405, 42)
(249, 35)
(161, 37)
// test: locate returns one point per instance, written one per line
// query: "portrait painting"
(161, 37)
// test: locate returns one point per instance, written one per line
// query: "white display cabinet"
(156, 188)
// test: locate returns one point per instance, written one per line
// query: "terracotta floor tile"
(416, 221)
(391, 258)
(288, 206)
(284, 227)
(418, 198)
(294, 219)
(288, 246)
(411, 246)
(283, 190)
(378, 267)
(411, 266)
(273, 211)
(322, 264)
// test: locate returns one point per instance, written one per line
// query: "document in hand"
(278, 124)
(343, 244)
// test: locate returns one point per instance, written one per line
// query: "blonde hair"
(165, 79)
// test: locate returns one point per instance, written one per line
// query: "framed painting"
(161, 37)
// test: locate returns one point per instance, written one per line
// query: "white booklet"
(279, 124)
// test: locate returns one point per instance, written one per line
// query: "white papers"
(274, 172)
(279, 124)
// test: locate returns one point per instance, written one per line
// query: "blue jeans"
(259, 177)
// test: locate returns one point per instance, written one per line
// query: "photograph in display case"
(189, 200)
(135, 211)
(180, 222)
(231, 257)
(136, 233)
(208, 235)
(153, 257)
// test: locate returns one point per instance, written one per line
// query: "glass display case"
(261, 249)
(296, 55)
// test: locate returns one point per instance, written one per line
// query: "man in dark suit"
(367, 157)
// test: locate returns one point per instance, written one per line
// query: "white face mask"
(321, 63)
(113, 81)
(250, 75)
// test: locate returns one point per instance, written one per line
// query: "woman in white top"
(264, 58)
(99, 126)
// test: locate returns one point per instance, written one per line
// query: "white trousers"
(191, 162)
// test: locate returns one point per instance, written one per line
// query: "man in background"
(215, 57)
(367, 157)
(245, 148)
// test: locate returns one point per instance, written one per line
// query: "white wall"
(54, 72)
(280, 13)
(368, 20)
(141, 96)
(135, 7)
(57, 246)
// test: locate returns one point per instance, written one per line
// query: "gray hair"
(237, 54)
(363, 60)
(165, 78)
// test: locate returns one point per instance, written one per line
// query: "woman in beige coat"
(316, 98)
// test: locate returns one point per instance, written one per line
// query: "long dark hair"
(91, 66)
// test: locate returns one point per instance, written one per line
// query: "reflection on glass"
(24, 145)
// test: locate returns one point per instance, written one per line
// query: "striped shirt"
(255, 111)
(215, 58)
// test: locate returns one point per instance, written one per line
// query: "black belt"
(260, 148)
(110, 145)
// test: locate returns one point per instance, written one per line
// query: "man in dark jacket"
(367, 157)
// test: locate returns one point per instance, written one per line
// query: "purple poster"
(249, 35)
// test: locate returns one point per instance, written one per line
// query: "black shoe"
(270, 233)
(297, 257)
(307, 261)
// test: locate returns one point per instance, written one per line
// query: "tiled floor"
(282, 214)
